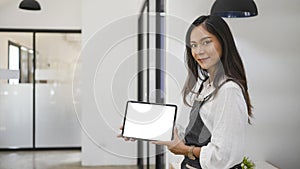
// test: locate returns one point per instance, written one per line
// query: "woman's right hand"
(125, 138)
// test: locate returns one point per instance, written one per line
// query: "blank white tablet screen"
(149, 121)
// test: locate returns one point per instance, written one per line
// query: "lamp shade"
(30, 5)
(234, 8)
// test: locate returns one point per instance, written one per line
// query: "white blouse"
(225, 115)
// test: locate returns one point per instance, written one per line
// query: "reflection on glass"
(13, 62)
(26, 65)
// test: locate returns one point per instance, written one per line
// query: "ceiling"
(3, 2)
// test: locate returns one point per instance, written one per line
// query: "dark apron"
(197, 133)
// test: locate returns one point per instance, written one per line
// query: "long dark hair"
(230, 64)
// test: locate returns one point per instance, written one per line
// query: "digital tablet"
(149, 121)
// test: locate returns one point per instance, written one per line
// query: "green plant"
(247, 164)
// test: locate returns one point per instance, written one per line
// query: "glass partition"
(16, 97)
(56, 118)
(36, 103)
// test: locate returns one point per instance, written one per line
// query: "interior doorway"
(36, 106)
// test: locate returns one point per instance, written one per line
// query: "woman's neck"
(211, 73)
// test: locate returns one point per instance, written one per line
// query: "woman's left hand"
(176, 146)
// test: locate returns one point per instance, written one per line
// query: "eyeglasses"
(203, 44)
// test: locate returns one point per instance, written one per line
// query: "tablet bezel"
(141, 102)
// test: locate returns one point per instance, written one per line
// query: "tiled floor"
(61, 160)
(46, 160)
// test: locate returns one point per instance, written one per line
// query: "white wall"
(55, 14)
(271, 54)
(268, 45)
(109, 70)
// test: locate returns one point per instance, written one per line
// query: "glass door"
(56, 117)
(36, 97)
(16, 90)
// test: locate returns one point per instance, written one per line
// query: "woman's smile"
(204, 59)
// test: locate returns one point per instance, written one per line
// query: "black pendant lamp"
(234, 8)
(30, 5)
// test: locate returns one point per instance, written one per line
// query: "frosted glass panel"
(16, 116)
(56, 120)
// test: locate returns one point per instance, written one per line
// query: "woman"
(221, 109)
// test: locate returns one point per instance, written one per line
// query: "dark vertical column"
(148, 72)
(160, 67)
(140, 84)
(20, 61)
(33, 90)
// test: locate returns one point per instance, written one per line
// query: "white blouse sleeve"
(228, 120)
